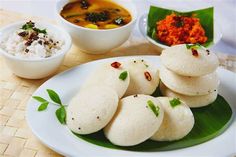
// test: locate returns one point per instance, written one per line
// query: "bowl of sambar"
(97, 26)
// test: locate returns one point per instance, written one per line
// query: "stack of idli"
(188, 73)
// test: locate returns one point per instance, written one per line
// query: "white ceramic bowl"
(98, 41)
(35, 68)
(143, 29)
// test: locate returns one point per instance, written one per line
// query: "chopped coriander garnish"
(175, 102)
(28, 25)
(123, 75)
(193, 46)
(31, 26)
(155, 109)
(60, 112)
(40, 30)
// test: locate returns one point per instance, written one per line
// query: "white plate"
(58, 137)
(143, 29)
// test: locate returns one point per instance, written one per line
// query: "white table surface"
(225, 14)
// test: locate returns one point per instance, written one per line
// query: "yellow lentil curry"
(96, 14)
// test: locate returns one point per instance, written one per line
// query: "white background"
(225, 14)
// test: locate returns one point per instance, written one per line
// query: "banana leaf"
(208, 125)
(206, 17)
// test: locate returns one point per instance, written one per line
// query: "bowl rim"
(65, 36)
(58, 8)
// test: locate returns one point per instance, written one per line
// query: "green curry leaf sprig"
(60, 112)
(31, 26)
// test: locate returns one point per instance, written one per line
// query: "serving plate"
(143, 29)
(49, 131)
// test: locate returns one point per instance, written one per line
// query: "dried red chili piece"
(194, 52)
(115, 65)
(148, 76)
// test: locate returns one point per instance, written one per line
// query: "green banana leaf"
(210, 121)
(206, 17)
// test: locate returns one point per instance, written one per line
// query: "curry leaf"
(54, 96)
(31, 26)
(28, 25)
(61, 115)
(60, 112)
(43, 106)
(39, 99)
(40, 30)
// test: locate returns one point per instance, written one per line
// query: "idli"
(111, 74)
(144, 77)
(191, 86)
(137, 118)
(191, 101)
(91, 109)
(178, 120)
(189, 62)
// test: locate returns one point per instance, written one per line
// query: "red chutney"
(176, 29)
